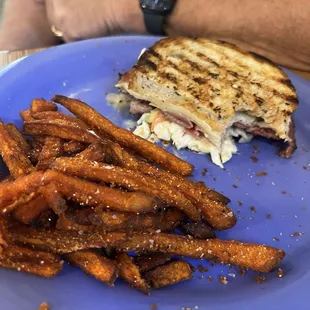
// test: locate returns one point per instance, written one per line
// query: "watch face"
(160, 6)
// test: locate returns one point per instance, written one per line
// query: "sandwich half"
(204, 95)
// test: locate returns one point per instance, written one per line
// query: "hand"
(83, 19)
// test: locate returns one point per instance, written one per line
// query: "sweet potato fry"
(4, 222)
(26, 115)
(129, 179)
(44, 306)
(51, 128)
(46, 220)
(52, 115)
(210, 193)
(29, 212)
(211, 204)
(80, 215)
(53, 198)
(20, 202)
(94, 264)
(37, 144)
(73, 147)
(198, 230)
(40, 105)
(93, 152)
(171, 273)
(63, 242)
(120, 157)
(53, 148)
(92, 194)
(64, 222)
(124, 137)
(163, 221)
(130, 272)
(218, 215)
(3, 242)
(6, 180)
(77, 219)
(18, 138)
(16, 160)
(249, 256)
(62, 122)
(35, 262)
(194, 190)
(18, 191)
(149, 262)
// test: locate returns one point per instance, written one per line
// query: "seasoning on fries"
(127, 179)
(73, 147)
(95, 264)
(85, 189)
(16, 160)
(52, 148)
(18, 137)
(41, 105)
(123, 136)
(31, 210)
(151, 261)
(130, 272)
(60, 129)
(171, 273)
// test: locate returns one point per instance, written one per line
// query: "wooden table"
(8, 57)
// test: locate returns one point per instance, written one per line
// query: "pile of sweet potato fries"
(83, 190)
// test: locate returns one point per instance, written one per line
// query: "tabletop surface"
(8, 57)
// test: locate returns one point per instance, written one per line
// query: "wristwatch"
(155, 12)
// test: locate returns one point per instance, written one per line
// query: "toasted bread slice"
(214, 85)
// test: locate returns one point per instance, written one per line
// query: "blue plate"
(88, 70)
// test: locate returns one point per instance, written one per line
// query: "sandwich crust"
(214, 85)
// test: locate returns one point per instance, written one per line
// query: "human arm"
(25, 26)
(277, 29)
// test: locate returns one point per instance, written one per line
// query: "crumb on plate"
(254, 159)
(44, 306)
(281, 273)
(260, 279)
(223, 280)
(253, 209)
(261, 174)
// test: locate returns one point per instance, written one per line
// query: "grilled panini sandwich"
(203, 95)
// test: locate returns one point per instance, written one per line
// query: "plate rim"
(14, 66)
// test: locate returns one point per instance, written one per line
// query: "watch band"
(154, 23)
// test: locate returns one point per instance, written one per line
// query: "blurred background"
(1, 7)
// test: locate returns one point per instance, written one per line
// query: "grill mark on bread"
(235, 74)
(188, 74)
(144, 60)
(258, 100)
(284, 81)
(207, 59)
(200, 80)
(195, 67)
(239, 77)
(261, 58)
(173, 79)
(170, 77)
(289, 84)
(154, 53)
